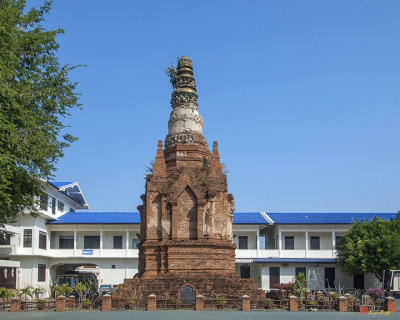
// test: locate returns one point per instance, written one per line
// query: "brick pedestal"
(390, 304)
(15, 304)
(106, 303)
(245, 303)
(342, 304)
(60, 304)
(71, 302)
(151, 302)
(199, 303)
(293, 303)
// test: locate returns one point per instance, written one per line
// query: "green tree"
(36, 96)
(5, 294)
(370, 247)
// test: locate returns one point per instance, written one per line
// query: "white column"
(258, 241)
(101, 242)
(34, 241)
(280, 242)
(48, 235)
(127, 243)
(333, 243)
(75, 241)
(306, 244)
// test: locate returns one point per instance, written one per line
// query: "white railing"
(246, 253)
(329, 253)
(299, 253)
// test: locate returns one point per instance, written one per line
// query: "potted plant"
(41, 304)
(220, 302)
(268, 303)
(311, 304)
(176, 303)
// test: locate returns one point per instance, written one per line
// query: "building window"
(5, 239)
(113, 266)
(66, 242)
(274, 277)
(60, 206)
(53, 205)
(329, 277)
(71, 210)
(135, 242)
(27, 238)
(314, 243)
(261, 243)
(271, 243)
(44, 199)
(289, 243)
(245, 272)
(91, 242)
(300, 270)
(41, 272)
(117, 242)
(359, 282)
(243, 242)
(42, 240)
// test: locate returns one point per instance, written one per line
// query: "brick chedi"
(186, 216)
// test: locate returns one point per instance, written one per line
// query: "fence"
(106, 303)
(128, 304)
(269, 304)
(325, 304)
(42, 305)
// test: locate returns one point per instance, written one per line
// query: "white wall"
(287, 274)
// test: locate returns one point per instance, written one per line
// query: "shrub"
(289, 286)
(375, 293)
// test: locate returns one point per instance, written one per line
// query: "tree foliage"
(36, 96)
(370, 247)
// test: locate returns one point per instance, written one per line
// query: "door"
(188, 295)
(245, 271)
(8, 278)
(274, 277)
(330, 277)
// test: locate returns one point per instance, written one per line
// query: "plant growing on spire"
(172, 72)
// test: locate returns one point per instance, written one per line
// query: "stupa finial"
(185, 120)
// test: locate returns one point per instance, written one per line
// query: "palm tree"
(26, 292)
(38, 291)
(66, 289)
(80, 289)
(5, 294)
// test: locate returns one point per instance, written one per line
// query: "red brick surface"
(186, 228)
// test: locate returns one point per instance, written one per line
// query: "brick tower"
(186, 216)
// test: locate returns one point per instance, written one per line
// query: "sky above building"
(302, 96)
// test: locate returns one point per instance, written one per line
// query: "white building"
(271, 247)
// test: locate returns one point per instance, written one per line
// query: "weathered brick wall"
(186, 201)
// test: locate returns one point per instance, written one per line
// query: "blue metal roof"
(98, 218)
(238, 218)
(248, 218)
(134, 218)
(325, 218)
(293, 260)
(59, 184)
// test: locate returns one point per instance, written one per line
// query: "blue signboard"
(87, 252)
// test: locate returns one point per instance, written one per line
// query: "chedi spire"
(185, 125)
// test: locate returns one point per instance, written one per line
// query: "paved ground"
(192, 315)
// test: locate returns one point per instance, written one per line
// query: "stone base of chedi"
(205, 284)
(186, 216)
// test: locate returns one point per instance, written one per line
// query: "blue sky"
(302, 96)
